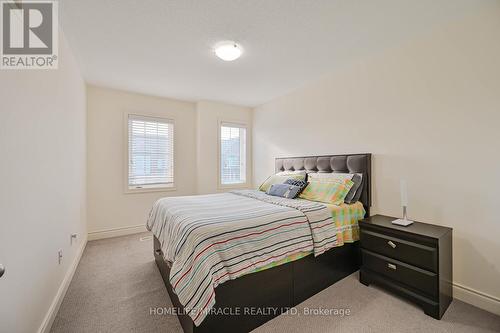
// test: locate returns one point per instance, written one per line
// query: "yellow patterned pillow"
(280, 179)
(332, 192)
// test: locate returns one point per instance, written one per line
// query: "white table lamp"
(404, 202)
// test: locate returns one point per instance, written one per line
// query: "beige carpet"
(117, 283)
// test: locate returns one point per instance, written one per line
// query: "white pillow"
(333, 176)
(288, 173)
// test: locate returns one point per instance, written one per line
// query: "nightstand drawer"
(419, 255)
(414, 277)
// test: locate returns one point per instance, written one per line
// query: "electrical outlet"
(72, 238)
(60, 256)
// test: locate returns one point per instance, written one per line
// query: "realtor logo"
(29, 35)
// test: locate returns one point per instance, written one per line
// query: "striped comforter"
(209, 239)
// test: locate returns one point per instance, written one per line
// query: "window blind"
(232, 154)
(150, 152)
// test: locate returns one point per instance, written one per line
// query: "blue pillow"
(284, 190)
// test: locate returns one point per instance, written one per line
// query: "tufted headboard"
(351, 163)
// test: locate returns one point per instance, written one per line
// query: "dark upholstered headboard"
(351, 163)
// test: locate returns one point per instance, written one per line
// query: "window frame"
(157, 188)
(239, 124)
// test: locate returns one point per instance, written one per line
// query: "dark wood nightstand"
(414, 261)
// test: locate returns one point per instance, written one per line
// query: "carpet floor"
(117, 285)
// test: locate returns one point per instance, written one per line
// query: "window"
(150, 152)
(232, 154)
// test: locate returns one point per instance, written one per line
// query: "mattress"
(209, 239)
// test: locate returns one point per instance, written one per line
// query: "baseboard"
(468, 295)
(56, 303)
(115, 232)
(476, 298)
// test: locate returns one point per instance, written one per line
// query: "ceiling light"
(228, 51)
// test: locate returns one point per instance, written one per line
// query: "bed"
(239, 298)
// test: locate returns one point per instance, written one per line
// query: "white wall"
(111, 211)
(42, 195)
(209, 114)
(429, 111)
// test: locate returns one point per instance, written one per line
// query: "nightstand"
(414, 262)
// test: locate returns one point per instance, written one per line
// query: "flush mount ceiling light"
(228, 50)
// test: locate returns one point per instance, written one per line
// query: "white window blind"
(150, 152)
(232, 154)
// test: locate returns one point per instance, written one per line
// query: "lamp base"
(402, 222)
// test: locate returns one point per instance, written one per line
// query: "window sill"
(150, 189)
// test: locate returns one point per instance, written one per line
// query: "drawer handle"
(391, 266)
(391, 243)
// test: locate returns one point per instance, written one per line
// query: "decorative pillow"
(279, 179)
(284, 190)
(330, 176)
(292, 173)
(297, 182)
(358, 191)
(332, 192)
(355, 191)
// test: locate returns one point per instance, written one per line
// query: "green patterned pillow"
(332, 192)
(280, 179)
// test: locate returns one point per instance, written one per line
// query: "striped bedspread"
(209, 239)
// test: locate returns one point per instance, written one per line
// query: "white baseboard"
(476, 298)
(56, 303)
(468, 295)
(115, 232)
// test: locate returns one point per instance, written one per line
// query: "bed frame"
(249, 301)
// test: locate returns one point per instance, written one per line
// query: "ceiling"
(164, 47)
